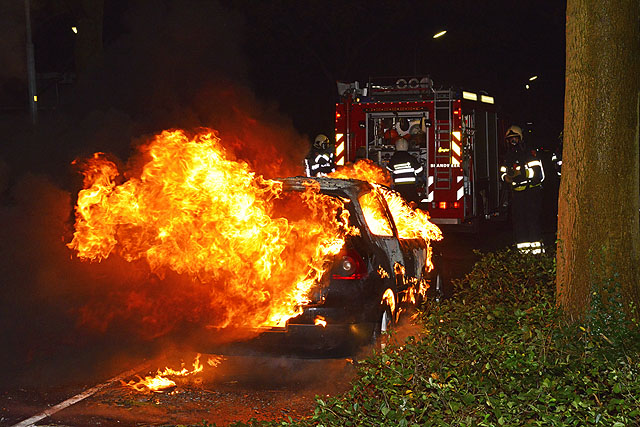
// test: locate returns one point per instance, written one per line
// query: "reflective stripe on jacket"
(319, 164)
(525, 169)
(404, 168)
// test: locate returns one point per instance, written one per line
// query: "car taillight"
(350, 266)
(446, 205)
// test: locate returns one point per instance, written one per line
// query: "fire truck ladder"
(443, 100)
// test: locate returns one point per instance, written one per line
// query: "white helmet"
(402, 145)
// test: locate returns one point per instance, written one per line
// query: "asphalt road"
(238, 389)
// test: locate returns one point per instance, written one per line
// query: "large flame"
(411, 223)
(364, 170)
(195, 211)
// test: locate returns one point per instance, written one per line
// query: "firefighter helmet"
(321, 142)
(402, 145)
(514, 131)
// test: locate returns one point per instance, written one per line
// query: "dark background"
(263, 73)
(157, 58)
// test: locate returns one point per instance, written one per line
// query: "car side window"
(375, 215)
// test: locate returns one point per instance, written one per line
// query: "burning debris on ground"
(162, 381)
(237, 389)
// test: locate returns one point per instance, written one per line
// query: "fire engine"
(454, 133)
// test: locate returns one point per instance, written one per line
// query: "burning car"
(381, 271)
(193, 236)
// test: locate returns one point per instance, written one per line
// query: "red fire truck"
(455, 134)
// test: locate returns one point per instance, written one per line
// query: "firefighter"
(405, 171)
(522, 171)
(320, 161)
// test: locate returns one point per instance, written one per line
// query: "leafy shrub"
(499, 353)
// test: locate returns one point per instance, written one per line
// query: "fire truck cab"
(455, 134)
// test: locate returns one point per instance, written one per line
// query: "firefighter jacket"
(319, 163)
(522, 169)
(404, 168)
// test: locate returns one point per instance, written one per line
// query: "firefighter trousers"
(526, 206)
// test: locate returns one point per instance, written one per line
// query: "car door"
(383, 231)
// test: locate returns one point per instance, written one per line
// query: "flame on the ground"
(194, 210)
(160, 383)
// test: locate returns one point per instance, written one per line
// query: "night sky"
(292, 52)
(299, 49)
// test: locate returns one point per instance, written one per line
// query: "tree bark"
(598, 222)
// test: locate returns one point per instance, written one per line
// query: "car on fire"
(374, 279)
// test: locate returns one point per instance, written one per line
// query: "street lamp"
(532, 78)
(440, 34)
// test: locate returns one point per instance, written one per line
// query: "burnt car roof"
(354, 186)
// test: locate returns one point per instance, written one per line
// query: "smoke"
(176, 65)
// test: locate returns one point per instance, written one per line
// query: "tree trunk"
(598, 226)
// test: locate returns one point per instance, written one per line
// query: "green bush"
(499, 353)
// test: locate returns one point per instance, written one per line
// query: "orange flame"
(389, 299)
(364, 170)
(195, 211)
(382, 273)
(160, 383)
(320, 321)
(410, 223)
(375, 215)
